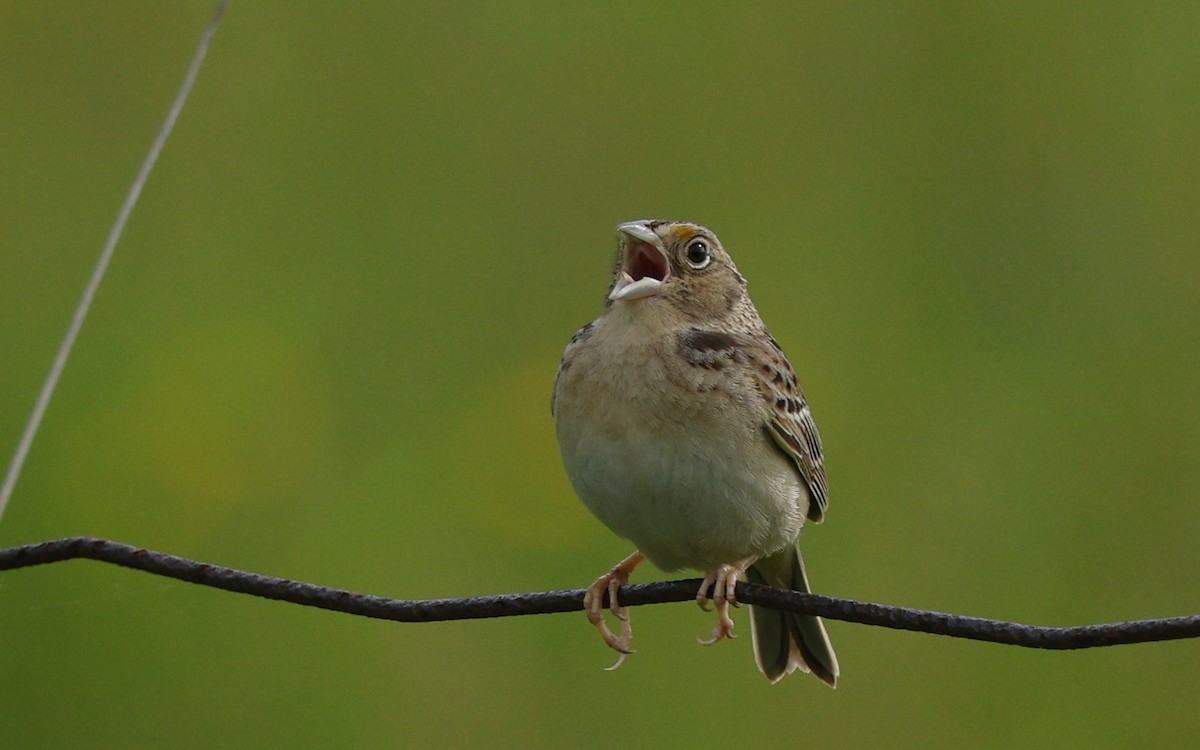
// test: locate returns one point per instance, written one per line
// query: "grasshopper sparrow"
(683, 429)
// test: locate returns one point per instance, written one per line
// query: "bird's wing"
(580, 335)
(788, 419)
(790, 422)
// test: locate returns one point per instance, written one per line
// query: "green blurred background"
(325, 348)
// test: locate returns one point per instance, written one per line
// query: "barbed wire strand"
(106, 254)
(547, 602)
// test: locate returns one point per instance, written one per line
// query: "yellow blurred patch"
(680, 232)
(220, 415)
(524, 496)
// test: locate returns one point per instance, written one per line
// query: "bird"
(683, 429)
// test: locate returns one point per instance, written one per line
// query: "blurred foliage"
(325, 349)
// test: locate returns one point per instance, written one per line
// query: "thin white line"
(64, 349)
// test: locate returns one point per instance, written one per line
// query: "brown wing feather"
(790, 422)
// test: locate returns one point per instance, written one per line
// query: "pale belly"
(694, 498)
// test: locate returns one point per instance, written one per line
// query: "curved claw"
(620, 660)
(592, 603)
(723, 630)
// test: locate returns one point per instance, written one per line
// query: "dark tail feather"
(784, 641)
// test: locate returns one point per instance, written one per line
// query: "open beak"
(644, 265)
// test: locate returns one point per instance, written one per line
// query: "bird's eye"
(698, 254)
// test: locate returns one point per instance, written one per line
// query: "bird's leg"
(723, 580)
(593, 604)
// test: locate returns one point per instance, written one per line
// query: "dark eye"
(698, 254)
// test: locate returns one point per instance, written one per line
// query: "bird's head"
(675, 263)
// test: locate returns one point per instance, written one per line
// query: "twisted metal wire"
(546, 602)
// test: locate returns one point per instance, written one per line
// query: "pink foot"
(723, 580)
(593, 604)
